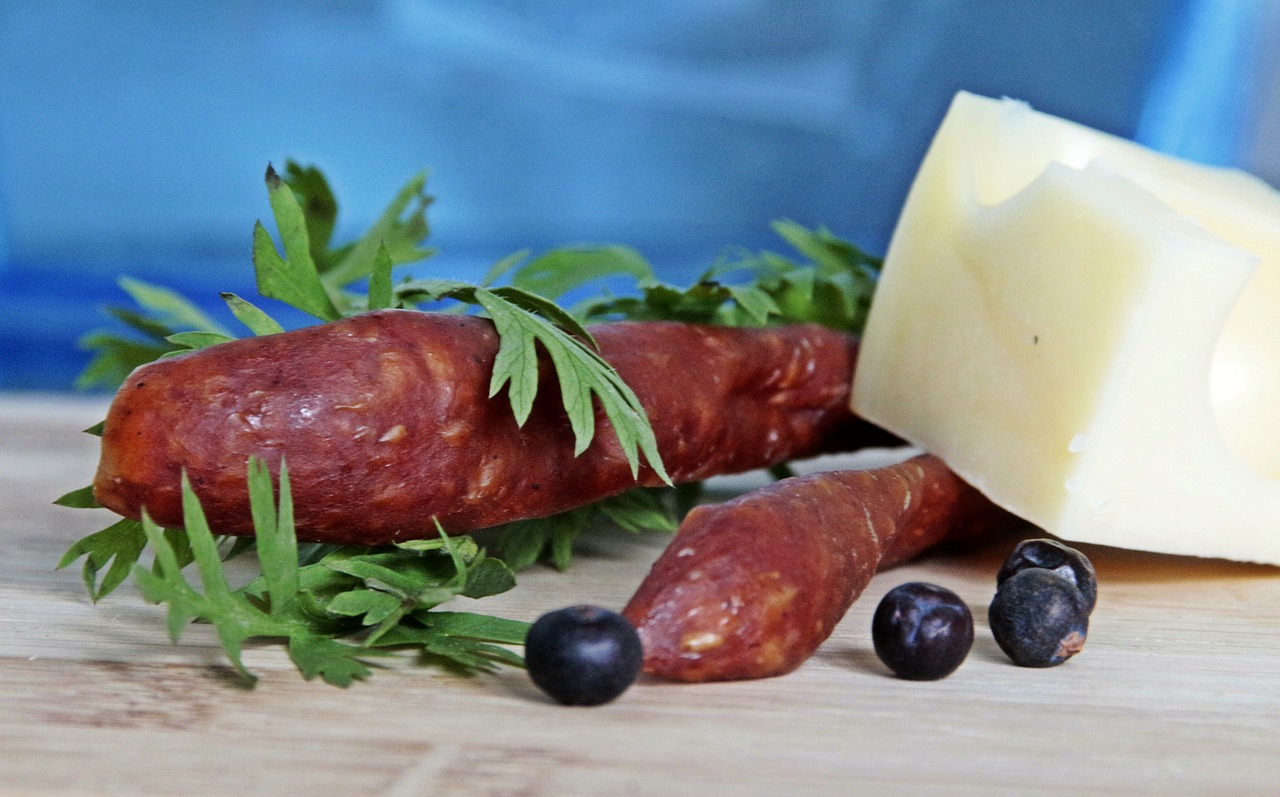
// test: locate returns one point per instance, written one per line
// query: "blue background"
(134, 135)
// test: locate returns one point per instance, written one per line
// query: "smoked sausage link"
(387, 426)
(750, 588)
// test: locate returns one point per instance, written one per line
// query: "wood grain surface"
(1176, 693)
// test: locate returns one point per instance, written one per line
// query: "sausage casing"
(387, 425)
(750, 588)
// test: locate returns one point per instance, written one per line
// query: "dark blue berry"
(922, 632)
(583, 655)
(1039, 618)
(1053, 555)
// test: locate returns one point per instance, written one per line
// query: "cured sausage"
(750, 588)
(387, 426)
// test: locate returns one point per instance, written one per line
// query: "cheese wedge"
(1088, 332)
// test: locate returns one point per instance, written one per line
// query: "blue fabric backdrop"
(134, 135)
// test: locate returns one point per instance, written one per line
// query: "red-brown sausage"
(750, 588)
(386, 423)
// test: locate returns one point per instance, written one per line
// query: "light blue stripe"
(1200, 102)
(5, 253)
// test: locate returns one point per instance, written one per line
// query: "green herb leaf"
(118, 546)
(234, 617)
(561, 270)
(115, 358)
(522, 322)
(400, 228)
(151, 327)
(315, 608)
(477, 626)
(487, 577)
(640, 510)
(469, 641)
(258, 322)
(197, 340)
(371, 605)
(170, 309)
(581, 372)
(834, 288)
(500, 268)
(336, 663)
(292, 278)
(79, 499)
(381, 295)
(755, 302)
(523, 543)
(277, 545)
(319, 208)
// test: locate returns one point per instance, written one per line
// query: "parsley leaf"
(257, 321)
(292, 278)
(197, 340)
(170, 309)
(523, 543)
(833, 287)
(115, 356)
(561, 270)
(319, 207)
(118, 545)
(399, 230)
(323, 612)
(79, 499)
(381, 293)
(520, 319)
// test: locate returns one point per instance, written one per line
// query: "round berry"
(1039, 618)
(1061, 559)
(922, 632)
(583, 655)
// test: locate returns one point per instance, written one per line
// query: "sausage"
(387, 426)
(750, 588)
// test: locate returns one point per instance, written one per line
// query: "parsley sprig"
(346, 593)
(334, 608)
(831, 284)
(316, 279)
(337, 609)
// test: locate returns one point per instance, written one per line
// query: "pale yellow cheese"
(1088, 332)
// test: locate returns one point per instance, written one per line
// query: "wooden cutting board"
(1176, 693)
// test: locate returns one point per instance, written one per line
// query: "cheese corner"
(1088, 332)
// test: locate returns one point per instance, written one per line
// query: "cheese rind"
(1088, 332)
